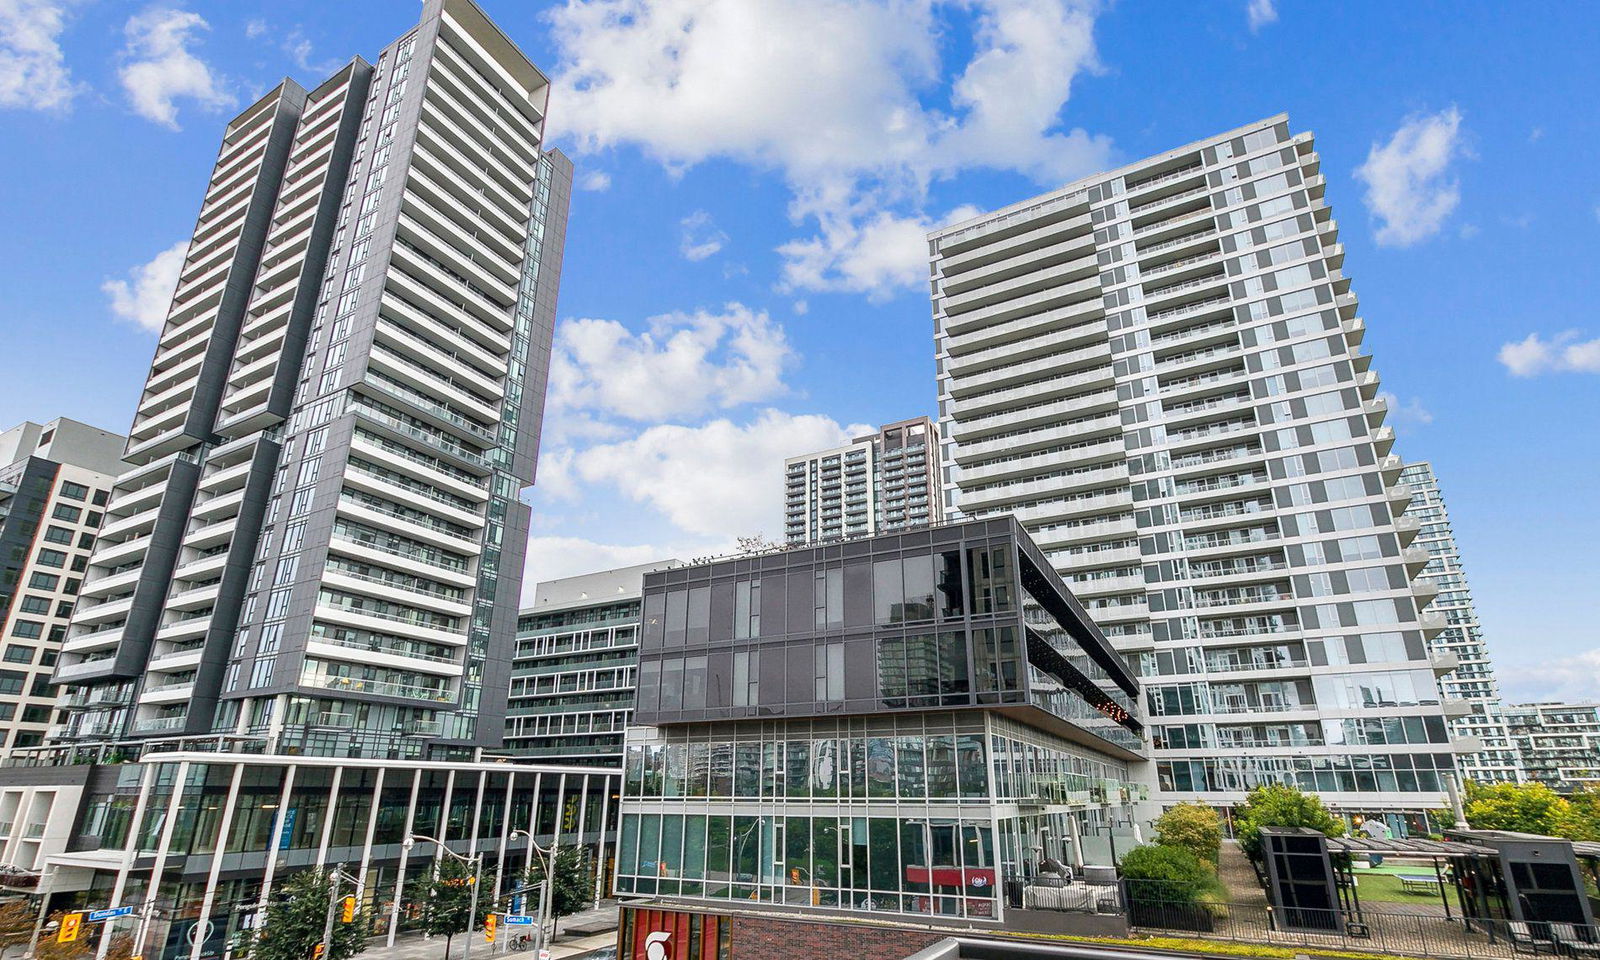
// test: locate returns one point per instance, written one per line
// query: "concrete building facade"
(320, 539)
(55, 481)
(883, 481)
(1461, 641)
(575, 668)
(1158, 371)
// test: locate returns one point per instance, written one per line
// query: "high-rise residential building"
(319, 541)
(1472, 678)
(55, 479)
(887, 480)
(1158, 370)
(575, 667)
(912, 725)
(1557, 744)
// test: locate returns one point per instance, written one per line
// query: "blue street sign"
(95, 916)
(513, 920)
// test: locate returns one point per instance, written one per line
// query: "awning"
(1410, 847)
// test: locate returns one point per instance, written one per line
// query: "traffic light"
(488, 928)
(317, 951)
(348, 912)
(70, 924)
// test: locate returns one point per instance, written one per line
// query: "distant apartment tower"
(55, 479)
(320, 538)
(884, 481)
(1461, 641)
(1158, 371)
(576, 666)
(1558, 744)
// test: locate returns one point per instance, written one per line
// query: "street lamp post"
(334, 876)
(472, 863)
(546, 896)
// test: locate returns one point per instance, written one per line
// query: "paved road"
(418, 947)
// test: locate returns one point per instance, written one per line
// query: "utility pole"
(327, 928)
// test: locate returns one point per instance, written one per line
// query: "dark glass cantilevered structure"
(894, 724)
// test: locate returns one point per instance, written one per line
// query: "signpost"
(516, 920)
(98, 916)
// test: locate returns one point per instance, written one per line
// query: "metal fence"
(1366, 931)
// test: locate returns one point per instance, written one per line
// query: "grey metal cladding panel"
(230, 595)
(212, 380)
(496, 688)
(155, 577)
(280, 400)
(18, 529)
(547, 293)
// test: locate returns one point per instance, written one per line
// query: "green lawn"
(1382, 885)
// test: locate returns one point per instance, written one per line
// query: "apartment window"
(80, 563)
(74, 491)
(44, 581)
(11, 683)
(828, 659)
(261, 671)
(39, 605)
(747, 609)
(746, 682)
(101, 497)
(36, 713)
(27, 629)
(67, 512)
(15, 653)
(41, 686)
(55, 534)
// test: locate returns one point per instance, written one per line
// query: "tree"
(16, 922)
(1523, 807)
(574, 881)
(1194, 827)
(83, 948)
(1584, 822)
(1157, 873)
(449, 899)
(296, 916)
(1280, 805)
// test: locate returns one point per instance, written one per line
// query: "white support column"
(180, 780)
(273, 843)
(210, 896)
(505, 835)
(366, 844)
(400, 871)
(130, 851)
(583, 813)
(533, 820)
(327, 821)
(600, 845)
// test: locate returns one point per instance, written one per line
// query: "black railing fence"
(1369, 930)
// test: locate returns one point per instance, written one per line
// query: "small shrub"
(1194, 827)
(1280, 805)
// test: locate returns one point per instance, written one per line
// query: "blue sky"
(745, 275)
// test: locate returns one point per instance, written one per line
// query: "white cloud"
(255, 28)
(1261, 13)
(700, 237)
(1412, 414)
(146, 295)
(33, 71)
(1562, 353)
(552, 558)
(596, 180)
(717, 480)
(1574, 679)
(158, 68)
(682, 364)
(1536, 134)
(856, 140)
(1408, 190)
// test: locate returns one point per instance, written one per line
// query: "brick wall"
(763, 938)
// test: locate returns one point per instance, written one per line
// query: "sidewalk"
(415, 946)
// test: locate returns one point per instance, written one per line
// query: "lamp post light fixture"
(547, 858)
(472, 863)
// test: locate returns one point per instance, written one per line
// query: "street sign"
(516, 920)
(96, 916)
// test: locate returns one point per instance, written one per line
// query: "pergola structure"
(1440, 853)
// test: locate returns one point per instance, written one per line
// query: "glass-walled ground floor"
(926, 814)
(197, 843)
